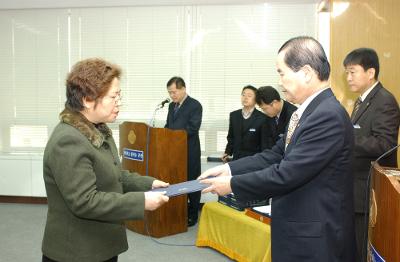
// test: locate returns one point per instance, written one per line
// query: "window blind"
(216, 49)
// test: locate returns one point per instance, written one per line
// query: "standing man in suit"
(244, 134)
(376, 120)
(307, 172)
(185, 113)
(278, 111)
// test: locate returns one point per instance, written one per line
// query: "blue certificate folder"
(181, 188)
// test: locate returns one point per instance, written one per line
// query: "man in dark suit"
(278, 111)
(307, 172)
(244, 134)
(376, 120)
(185, 113)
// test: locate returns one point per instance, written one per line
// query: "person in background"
(308, 171)
(376, 119)
(278, 111)
(185, 113)
(244, 134)
(89, 195)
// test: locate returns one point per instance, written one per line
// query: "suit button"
(120, 179)
(115, 163)
(106, 146)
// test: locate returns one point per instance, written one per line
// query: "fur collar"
(95, 133)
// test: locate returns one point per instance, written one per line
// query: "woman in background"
(244, 135)
(89, 195)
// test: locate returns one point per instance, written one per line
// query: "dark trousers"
(361, 228)
(46, 259)
(193, 172)
(194, 205)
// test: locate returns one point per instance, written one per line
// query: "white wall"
(21, 175)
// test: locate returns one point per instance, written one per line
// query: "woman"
(244, 135)
(89, 195)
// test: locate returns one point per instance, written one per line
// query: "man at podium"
(375, 118)
(185, 113)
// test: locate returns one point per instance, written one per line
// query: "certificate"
(181, 188)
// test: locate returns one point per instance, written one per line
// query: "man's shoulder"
(324, 101)
(236, 112)
(193, 101)
(290, 108)
(258, 113)
(383, 93)
(332, 109)
(331, 103)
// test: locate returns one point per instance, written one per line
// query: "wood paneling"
(23, 200)
(369, 23)
(384, 231)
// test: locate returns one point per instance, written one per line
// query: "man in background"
(307, 172)
(185, 113)
(245, 128)
(278, 111)
(376, 120)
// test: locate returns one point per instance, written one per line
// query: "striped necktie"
(356, 107)
(176, 108)
(294, 120)
(276, 120)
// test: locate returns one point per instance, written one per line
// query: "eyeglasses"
(116, 98)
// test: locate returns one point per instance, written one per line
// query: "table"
(234, 234)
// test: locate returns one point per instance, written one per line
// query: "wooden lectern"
(163, 152)
(384, 228)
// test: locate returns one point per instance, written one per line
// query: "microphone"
(159, 106)
(166, 101)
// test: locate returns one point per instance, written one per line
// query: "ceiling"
(28, 4)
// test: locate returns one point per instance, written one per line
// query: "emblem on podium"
(132, 137)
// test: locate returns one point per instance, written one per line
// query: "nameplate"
(132, 154)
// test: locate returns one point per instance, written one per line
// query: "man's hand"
(221, 170)
(225, 158)
(158, 184)
(153, 200)
(219, 185)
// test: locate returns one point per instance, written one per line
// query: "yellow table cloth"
(234, 234)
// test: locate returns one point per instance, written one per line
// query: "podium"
(163, 154)
(384, 226)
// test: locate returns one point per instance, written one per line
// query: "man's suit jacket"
(271, 131)
(188, 118)
(310, 184)
(376, 130)
(244, 139)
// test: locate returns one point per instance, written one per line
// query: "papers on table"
(264, 210)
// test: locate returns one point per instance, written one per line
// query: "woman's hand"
(153, 200)
(158, 184)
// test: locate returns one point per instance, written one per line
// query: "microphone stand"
(152, 119)
(159, 106)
